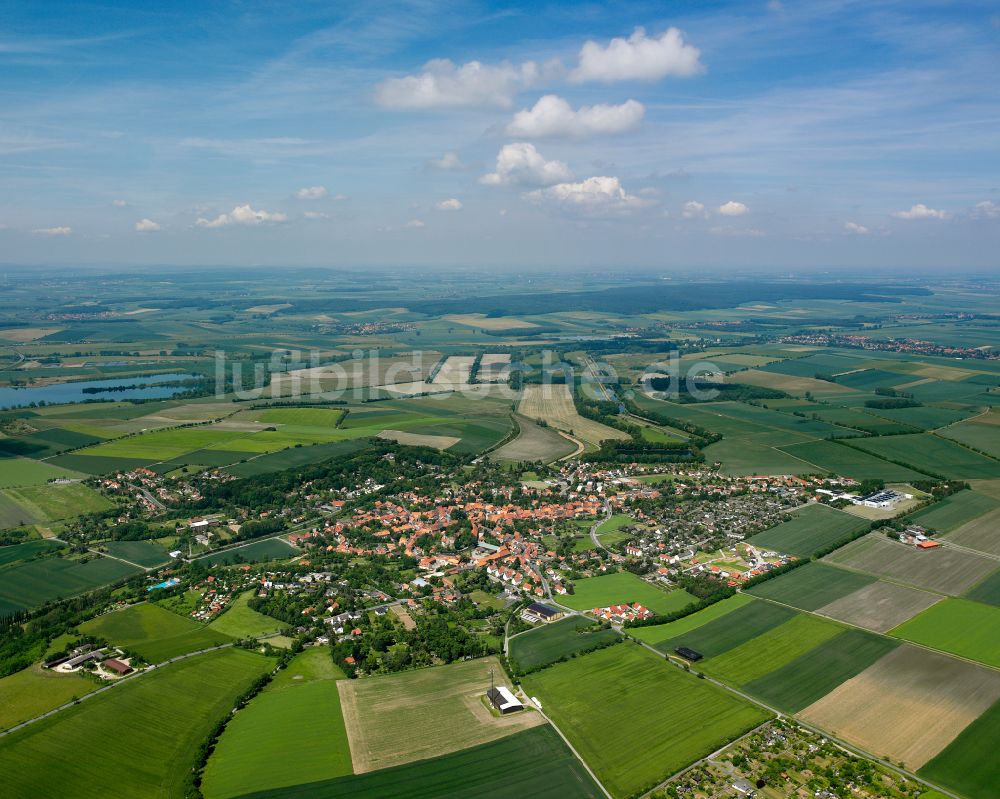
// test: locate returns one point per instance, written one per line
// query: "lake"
(148, 387)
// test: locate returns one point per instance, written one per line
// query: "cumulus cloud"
(53, 231)
(415, 223)
(311, 193)
(146, 226)
(449, 162)
(522, 163)
(553, 116)
(856, 229)
(242, 215)
(449, 205)
(921, 211)
(693, 210)
(638, 58)
(987, 209)
(733, 208)
(443, 84)
(596, 194)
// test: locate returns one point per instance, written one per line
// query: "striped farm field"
(969, 764)
(657, 633)
(551, 642)
(981, 534)
(811, 586)
(27, 585)
(932, 454)
(651, 720)
(730, 630)
(809, 530)
(968, 629)
(954, 511)
(831, 456)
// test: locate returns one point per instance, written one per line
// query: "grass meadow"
(622, 587)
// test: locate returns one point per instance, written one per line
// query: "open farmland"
(969, 764)
(987, 591)
(879, 606)
(932, 454)
(551, 642)
(420, 439)
(964, 628)
(982, 533)
(771, 650)
(142, 553)
(48, 503)
(948, 571)
(811, 586)
(553, 404)
(164, 716)
(755, 454)
(726, 632)
(534, 443)
(355, 374)
(291, 733)
(24, 472)
(954, 511)
(535, 762)
(37, 582)
(153, 632)
(621, 588)
(382, 712)
(16, 552)
(830, 456)
(982, 433)
(908, 705)
(456, 370)
(651, 719)
(809, 530)
(812, 675)
(34, 690)
(657, 633)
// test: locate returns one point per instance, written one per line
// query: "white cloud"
(693, 210)
(119, 203)
(415, 223)
(442, 84)
(53, 231)
(449, 205)
(733, 208)
(553, 116)
(449, 162)
(311, 193)
(242, 215)
(315, 215)
(146, 226)
(856, 229)
(596, 194)
(637, 58)
(921, 211)
(987, 209)
(522, 163)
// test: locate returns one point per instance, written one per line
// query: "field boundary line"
(572, 749)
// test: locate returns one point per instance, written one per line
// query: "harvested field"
(22, 334)
(534, 443)
(493, 367)
(813, 675)
(404, 617)
(553, 404)
(982, 534)
(970, 764)
(880, 606)
(811, 586)
(419, 440)
(948, 571)
(455, 370)
(382, 712)
(790, 384)
(356, 373)
(908, 706)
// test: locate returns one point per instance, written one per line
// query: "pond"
(147, 387)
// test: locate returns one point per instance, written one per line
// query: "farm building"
(116, 666)
(503, 700)
(688, 654)
(536, 612)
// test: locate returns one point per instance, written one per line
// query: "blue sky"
(670, 135)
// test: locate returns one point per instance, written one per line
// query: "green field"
(635, 719)
(16, 552)
(829, 456)
(987, 591)
(36, 582)
(954, 511)
(143, 553)
(969, 764)
(308, 417)
(770, 650)
(33, 691)
(534, 763)
(622, 587)
(561, 639)
(968, 629)
(984, 437)
(933, 454)
(26, 472)
(256, 552)
(754, 455)
(812, 586)
(241, 621)
(53, 501)
(729, 631)
(291, 733)
(141, 737)
(610, 530)
(809, 530)
(153, 632)
(657, 633)
(811, 676)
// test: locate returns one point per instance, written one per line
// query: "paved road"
(598, 523)
(111, 685)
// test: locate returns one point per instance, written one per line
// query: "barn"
(688, 654)
(503, 700)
